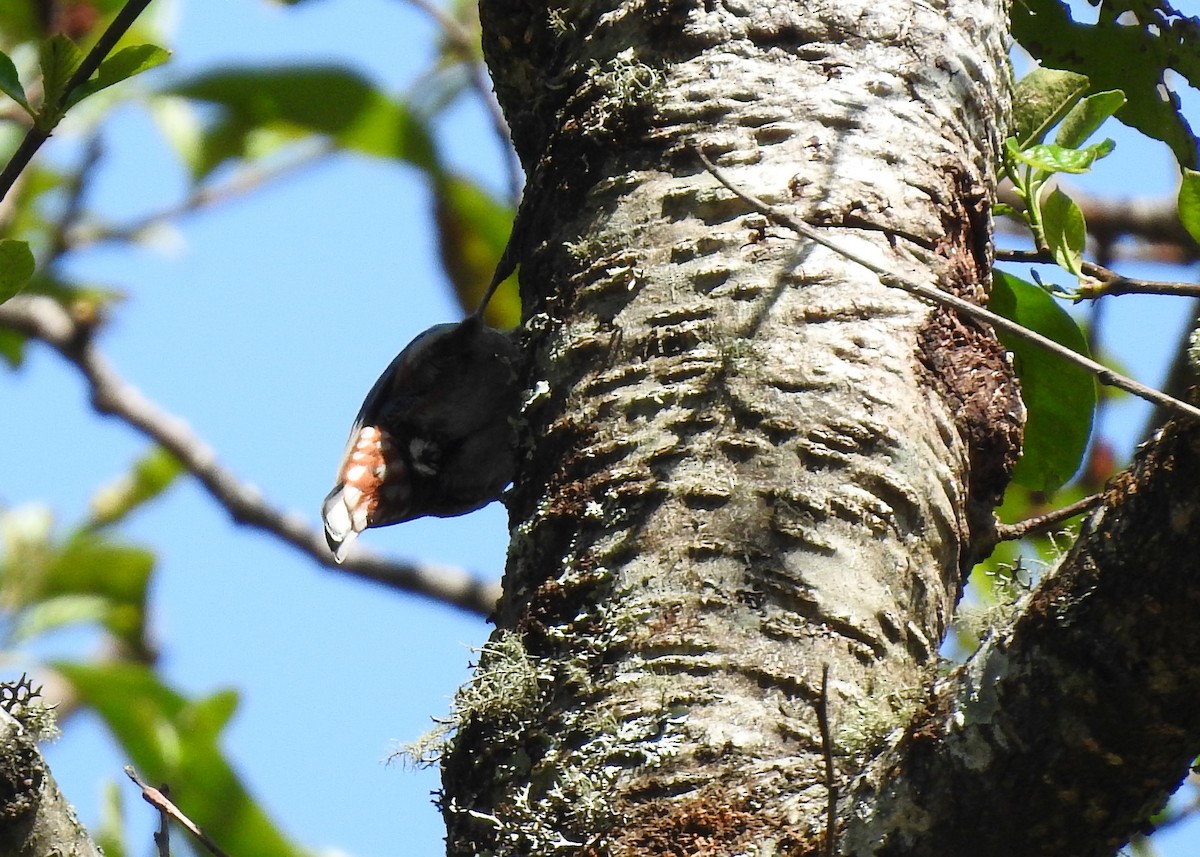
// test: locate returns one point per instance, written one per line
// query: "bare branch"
(1042, 523)
(76, 189)
(162, 837)
(242, 182)
(159, 801)
(1109, 282)
(44, 319)
(1103, 374)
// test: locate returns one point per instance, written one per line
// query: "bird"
(436, 434)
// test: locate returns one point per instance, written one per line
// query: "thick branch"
(35, 818)
(1069, 728)
(44, 319)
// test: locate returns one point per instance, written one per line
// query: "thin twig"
(77, 187)
(464, 41)
(159, 801)
(44, 319)
(831, 788)
(1041, 523)
(162, 837)
(37, 135)
(1103, 374)
(1109, 282)
(240, 183)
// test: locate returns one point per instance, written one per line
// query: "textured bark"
(749, 461)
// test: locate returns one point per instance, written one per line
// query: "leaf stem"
(36, 136)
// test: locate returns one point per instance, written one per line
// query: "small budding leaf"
(1060, 397)
(1065, 230)
(1041, 99)
(1189, 203)
(10, 83)
(16, 267)
(1052, 158)
(60, 58)
(122, 65)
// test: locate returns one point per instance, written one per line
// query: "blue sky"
(264, 327)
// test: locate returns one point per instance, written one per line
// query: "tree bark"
(750, 464)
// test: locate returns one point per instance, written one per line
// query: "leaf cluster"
(234, 129)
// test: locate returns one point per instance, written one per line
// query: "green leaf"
(320, 99)
(1189, 202)
(110, 833)
(473, 227)
(1140, 54)
(1086, 117)
(170, 738)
(59, 612)
(1041, 99)
(1056, 159)
(122, 65)
(151, 475)
(60, 58)
(12, 347)
(10, 82)
(16, 267)
(1065, 230)
(1060, 398)
(90, 565)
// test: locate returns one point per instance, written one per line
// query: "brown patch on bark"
(709, 823)
(969, 367)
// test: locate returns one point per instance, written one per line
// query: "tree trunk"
(755, 473)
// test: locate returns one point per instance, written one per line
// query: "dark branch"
(1071, 726)
(1041, 523)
